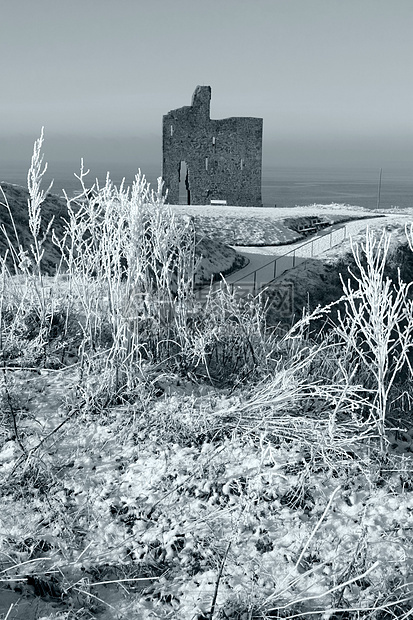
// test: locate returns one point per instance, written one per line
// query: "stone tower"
(223, 157)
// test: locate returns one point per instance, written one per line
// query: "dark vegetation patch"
(52, 207)
(400, 259)
(322, 284)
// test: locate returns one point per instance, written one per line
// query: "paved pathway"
(291, 255)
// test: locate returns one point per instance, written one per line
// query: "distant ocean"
(281, 186)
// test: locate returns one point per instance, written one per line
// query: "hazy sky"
(333, 79)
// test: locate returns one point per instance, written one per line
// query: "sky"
(332, 79)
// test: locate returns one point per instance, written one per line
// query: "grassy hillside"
(214, 256)
(166, 458)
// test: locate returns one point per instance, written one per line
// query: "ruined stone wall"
(224, 157)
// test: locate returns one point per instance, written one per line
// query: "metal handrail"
(277, 258)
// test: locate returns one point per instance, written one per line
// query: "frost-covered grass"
(166, 458)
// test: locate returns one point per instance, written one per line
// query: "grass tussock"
(166, 456)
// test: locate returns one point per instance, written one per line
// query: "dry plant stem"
(317, 526)
(330, 591)
(350, 568)
(12, 412)
(295, 581)
(37, 196)
(2, 300)
(214, 453)
(409, 234)
(89, 594)
(129, 580)
(382, 315)
(346, 610)
(17, 565)
(281, 590)
(221, 569)
(52, 432)
(34, 285)
(9, 611)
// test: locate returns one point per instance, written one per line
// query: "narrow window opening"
(213, 141)
(206, 163)
(184, 187)
(242, 164)
(172, 130)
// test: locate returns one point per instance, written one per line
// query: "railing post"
(275, 269)
(331, 239)
(255, 281)
(293, 259)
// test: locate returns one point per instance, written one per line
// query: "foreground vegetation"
(166, 456)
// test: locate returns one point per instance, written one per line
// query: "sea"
(281, 186)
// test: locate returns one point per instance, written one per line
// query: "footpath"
(269, 262)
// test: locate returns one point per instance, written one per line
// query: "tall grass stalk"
(37, 197)
(130, 262)
(377, 326)
(32, 290)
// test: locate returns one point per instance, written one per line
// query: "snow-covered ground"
(142, 509)
(276, 213)
(185, 494)
(243, 226)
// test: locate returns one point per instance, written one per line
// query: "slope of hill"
(17, 198)
(215, 257)
(168, 460)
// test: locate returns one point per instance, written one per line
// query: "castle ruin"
(211, 160)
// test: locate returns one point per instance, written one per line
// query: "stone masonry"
(223, 157)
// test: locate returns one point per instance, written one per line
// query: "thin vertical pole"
(255, 281)
(379, 189)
